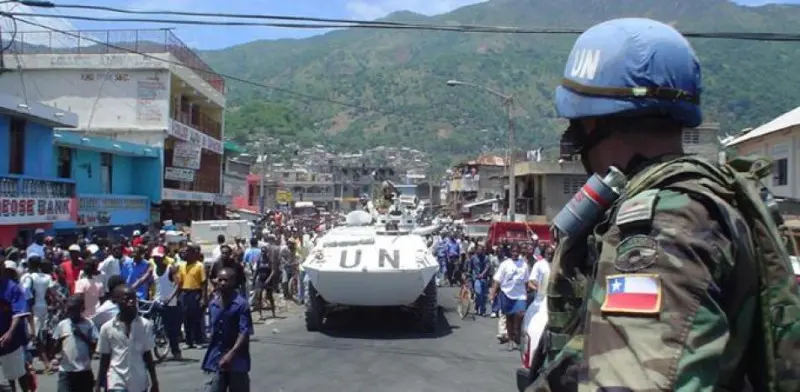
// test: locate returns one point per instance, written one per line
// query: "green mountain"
(395, 80)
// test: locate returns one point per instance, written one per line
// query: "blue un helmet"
(628, 67)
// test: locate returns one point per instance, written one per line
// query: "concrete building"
(702, 141)
(32, 196)
(114, 183)
(479, 179)
(156, 92)
(780, 140)
(234, 177)
(543, 188)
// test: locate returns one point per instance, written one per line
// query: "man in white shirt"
(217, 252)
(111, 265)
(510, 284)
(36, 284)
(37, 247)
(125, 347)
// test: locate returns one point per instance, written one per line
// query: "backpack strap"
(779, 297)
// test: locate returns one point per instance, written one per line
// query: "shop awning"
(233, 147)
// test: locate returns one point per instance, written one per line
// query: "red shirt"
(69, 274)
(136, 241)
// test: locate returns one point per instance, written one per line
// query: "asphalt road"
(362, 351)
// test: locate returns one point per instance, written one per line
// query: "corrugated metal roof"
(786, 120)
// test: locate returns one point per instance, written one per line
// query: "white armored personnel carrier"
(372, 261)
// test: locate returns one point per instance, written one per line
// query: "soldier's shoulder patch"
(633, 294)
(638, 208)
(636, 253)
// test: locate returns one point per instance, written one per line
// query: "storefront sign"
(178, 174)
(186, 133)
(186, 154)
(22, 210)
(223, 200)
(112, 210)
(179, 195)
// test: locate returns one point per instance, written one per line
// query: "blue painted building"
(32, 195)
(115, 181)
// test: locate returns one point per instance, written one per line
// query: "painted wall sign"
(178, 174)
(186, 133)
(22, 210)
(112, 210)
(179, 195)
(186, 154)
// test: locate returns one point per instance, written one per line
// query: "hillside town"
(145, 249)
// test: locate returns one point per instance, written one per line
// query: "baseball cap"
(38, 231)
(137, 233)
(92, 248)
(631, 65)
(74, 248)
(157, 252)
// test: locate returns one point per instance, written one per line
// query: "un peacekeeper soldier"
(670, 285)
(388, 195)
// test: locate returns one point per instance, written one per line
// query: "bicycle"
(147, 309)
(466, 299)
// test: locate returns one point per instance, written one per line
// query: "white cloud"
(373, 9)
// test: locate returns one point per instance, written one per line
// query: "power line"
(327, 23)
(203, 70)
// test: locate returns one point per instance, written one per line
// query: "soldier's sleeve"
(656, 310)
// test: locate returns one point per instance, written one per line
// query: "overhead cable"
(328, 23)
(203, 70)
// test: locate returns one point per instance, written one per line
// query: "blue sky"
(213, 37)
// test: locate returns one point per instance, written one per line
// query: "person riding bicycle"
(478, 272)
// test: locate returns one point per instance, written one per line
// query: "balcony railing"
(116, 42)
(324, 196)
(22, 186)
(204, 124)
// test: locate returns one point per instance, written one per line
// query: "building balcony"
(17, 186)
(200, 122)
(318, 197)
(464, 184)
(117, 42)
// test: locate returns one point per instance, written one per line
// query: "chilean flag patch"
(632, 294)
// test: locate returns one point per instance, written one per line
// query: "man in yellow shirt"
(192, 278)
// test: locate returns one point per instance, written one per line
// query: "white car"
(533, 326)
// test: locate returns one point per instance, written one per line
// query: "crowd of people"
(68, 303)
(505, 278)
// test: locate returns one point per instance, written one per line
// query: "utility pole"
(512, 183)
(508, 103)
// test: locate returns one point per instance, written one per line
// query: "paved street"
(363, 351)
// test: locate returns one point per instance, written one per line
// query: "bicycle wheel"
(464, 302)
(162, 349)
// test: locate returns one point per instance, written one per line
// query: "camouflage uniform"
(688, 342)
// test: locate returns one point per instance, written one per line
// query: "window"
(16, 142)
(780, 173)
(106, 165)
(572, 185)
(691, 136)
(64, 162)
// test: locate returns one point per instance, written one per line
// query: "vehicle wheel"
(428, 306)
(315, 309)
(161, 351)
